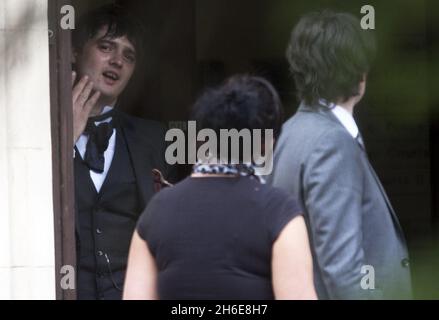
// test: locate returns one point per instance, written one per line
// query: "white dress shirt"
(347, 120)
(99, 178)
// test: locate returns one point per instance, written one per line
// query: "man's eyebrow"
(130, 50)
(106, 39)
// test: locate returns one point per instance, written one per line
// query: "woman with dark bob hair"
(222, 233)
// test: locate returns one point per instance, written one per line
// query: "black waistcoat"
(106, 224)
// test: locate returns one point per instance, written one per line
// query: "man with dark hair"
(357, 243)
(114, 152)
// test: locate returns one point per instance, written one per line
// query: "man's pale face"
(109, 64)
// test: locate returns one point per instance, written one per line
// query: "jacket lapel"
(140, 151)
(82, 179)
(389, 205)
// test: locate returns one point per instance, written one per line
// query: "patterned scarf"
(238, 170)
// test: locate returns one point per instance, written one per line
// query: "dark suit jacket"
(146, 143)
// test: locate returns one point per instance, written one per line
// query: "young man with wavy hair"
(357, 242)
(115, 153)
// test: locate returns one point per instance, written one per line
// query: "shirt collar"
(105, 110)
(345, 118)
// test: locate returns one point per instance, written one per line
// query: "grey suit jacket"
(350, 220)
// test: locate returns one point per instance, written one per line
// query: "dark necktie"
(98, 138)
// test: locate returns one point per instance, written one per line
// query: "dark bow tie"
(98, 138)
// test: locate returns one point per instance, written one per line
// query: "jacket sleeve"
(332, 193)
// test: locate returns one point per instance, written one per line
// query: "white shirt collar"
(346, 119)
(105, 110)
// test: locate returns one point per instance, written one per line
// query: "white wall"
(27, 256)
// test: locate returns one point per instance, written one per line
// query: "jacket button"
(98, 231)
(100, 253)
(405, 263)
